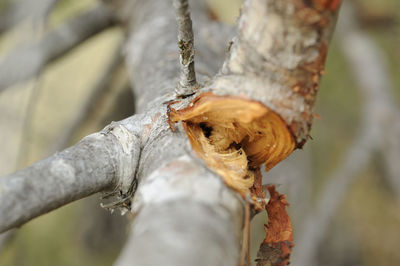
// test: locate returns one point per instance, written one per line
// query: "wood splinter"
(234, 136)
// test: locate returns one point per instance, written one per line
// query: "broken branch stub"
(234, 136)
(259, 108)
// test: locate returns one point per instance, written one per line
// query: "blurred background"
(343, 187)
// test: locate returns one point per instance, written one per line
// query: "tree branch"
(198, 222)
(33, 58)
(101, 161)
(187, 84)
(278, 57)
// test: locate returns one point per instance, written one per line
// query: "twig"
(187, 83)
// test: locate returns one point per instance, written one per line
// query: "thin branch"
(101, 161)
(187, 83)
(23, 63)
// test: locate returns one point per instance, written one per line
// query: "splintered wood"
(277, 245)
(234, 136)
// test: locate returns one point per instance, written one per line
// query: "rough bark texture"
(100, 162)
(278, 57)
(186, 216)
(277, 60)
(199, 219)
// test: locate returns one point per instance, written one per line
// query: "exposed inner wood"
(234, 136)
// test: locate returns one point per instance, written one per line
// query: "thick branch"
(189, 200)
(101, 161)
(198, 222)
(260, 106)
(278, 57)
(187, 83)
(24, 62)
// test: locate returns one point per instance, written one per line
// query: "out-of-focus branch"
(5, 238)
(24, 62)
(102, 83)
(22, 10)
(101, 161)
(378, 114)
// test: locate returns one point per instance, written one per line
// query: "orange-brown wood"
(234, 136)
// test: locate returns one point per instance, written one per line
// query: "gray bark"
(278, 58)
(100, 162)
(199, 219)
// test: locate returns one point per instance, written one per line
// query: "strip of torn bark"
(187, 82)
(276, 247)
